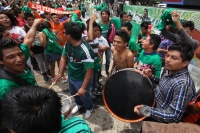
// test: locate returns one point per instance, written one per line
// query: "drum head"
(125, 90)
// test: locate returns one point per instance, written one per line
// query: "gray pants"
(42, 62)
(108, 56)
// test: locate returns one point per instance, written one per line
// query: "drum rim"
(111, 112)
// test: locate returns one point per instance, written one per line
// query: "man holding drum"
(123, 57)
(175, 89)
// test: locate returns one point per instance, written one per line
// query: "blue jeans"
(108, 56)
(74, 86)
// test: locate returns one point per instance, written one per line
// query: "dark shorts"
(51, 58)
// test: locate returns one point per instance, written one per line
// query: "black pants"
(83, 14)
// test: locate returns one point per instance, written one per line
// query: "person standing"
(79, 55)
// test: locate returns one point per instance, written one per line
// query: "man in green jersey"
(79, 55)
(119, 21)
(105, 25)
(149, 58)
(13, 59)
(132, 45)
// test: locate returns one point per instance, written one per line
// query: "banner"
(155, 14)
(48, 9)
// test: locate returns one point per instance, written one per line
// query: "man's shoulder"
(7, 83)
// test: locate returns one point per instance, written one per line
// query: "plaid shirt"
(173, 95)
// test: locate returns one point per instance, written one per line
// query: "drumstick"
(52, 85)
(69, 97)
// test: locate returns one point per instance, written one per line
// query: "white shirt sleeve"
(104, 42)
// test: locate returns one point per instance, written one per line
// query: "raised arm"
(90, 36)
(30, 36)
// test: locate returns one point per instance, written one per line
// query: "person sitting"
(38, 110)
(175, 89)
(122, 57)
(149, 58)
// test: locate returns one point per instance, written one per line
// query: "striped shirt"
(173, 95)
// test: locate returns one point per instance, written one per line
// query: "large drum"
(123, 91)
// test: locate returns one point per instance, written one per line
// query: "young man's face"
(47, 16)
(13, 60)
(118, 43)
(21, 15)
(96, 32)
(124, 18)
(144, 31)
(187, 29)
(126, 29)
(129, 19)
(7, 35)
(30, 21)
(145, 12)
(104, 16)
(55, 19)
(146, 43)
(174, 62)
(4, 20)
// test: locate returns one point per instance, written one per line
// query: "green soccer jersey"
(150, 60)
(80, 58)
(117, 22)
(105, 29)
(7, 85)
(132, 45)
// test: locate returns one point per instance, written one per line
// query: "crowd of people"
(34, 40)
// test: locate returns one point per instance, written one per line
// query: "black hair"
(94, 25)
(32, 109)
(53, 14)
(130, 15)
(17, 12)
(42, 15)
(2, 30)
(26, 15)
(189, 24)
(46, 13)
(146, 11)
(12, 18)
(106, 11)
(74, 30)
(122, 14)
(144, 25)
(46, 25)
(128, 25)
(123, 34)
(155, 39)
(6, 44)
(185, 50)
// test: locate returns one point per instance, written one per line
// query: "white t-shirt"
(95, 45)
(17, 34)
(103, 41)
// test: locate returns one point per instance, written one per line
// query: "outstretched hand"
(175, 16)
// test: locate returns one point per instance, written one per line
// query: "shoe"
(107, 73)
(48, 73)
(96, 93)
(91, 94)
(88, 113)
(52, 80)
(45, 77)
(64, 80)
(76, 109)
